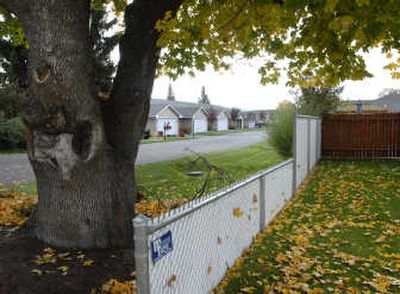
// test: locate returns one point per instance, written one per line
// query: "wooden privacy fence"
(361, 136)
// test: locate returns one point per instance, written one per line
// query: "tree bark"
(83, 150)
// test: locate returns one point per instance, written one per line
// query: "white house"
(222, 121)
(163, 118)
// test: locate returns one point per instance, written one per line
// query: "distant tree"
(389, 91)
(212, 116)
(13, 52)
(281, 128)
(171, 95)
(12, 133)
(11, 98)
(318, 101)
(234, 113)
(102, 47)
(204, 97)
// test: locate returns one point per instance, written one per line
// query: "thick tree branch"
(138, 45)
(126, 113)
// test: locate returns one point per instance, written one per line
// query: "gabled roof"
(184, 109)
(390, 101)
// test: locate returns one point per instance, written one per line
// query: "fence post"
(319, 138)
(308, 145)
(141, 254)
(262, 203)
(294, 151)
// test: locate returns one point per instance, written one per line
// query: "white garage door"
(173, 123)
(222, 125)
(200, 126)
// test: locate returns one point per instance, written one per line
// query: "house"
(391, 102)
(218, 117)
(193, 117)
(163, 117)
(254, 118)
(182, 116)
(360, 106)
(386, 103)
(222, 121)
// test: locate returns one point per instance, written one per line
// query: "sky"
(240, 86)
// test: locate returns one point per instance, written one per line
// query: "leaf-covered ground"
(341, 234)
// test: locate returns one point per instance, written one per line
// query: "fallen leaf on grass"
(114, 286)
(37, 272)
(15, 207)
(64, 270)
(88, 262)
(248, 290)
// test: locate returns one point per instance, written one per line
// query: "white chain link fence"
(189, 249)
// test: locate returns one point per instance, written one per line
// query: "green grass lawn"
(161, 140)
(169, 180)
(234, 131)
(341, 234)
(15, 151)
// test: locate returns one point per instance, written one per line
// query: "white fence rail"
(189, 249)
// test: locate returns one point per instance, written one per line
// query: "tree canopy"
(322, 41)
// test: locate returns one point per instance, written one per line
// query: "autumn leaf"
(37, 272)
(88, 263)
(64, 269)
(114, 286)
(237, 212)
(15, 207)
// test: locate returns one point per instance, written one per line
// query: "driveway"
(16, 167)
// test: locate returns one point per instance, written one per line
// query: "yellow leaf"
(37, 271)
(88, 263)
(237, 212)
(171, 280)
(63, 268)
(248, 290)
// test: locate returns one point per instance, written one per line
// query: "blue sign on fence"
(161, 246)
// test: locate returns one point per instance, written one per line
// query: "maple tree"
(82, 145)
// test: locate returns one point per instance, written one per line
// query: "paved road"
(16, 167)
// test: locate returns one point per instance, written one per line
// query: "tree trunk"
(83, 150)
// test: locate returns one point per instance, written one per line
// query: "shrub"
(12, 134)
(281, 129)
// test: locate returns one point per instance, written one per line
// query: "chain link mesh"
(206, 243)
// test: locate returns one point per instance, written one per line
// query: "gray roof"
(184, 109)
(390, 101)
